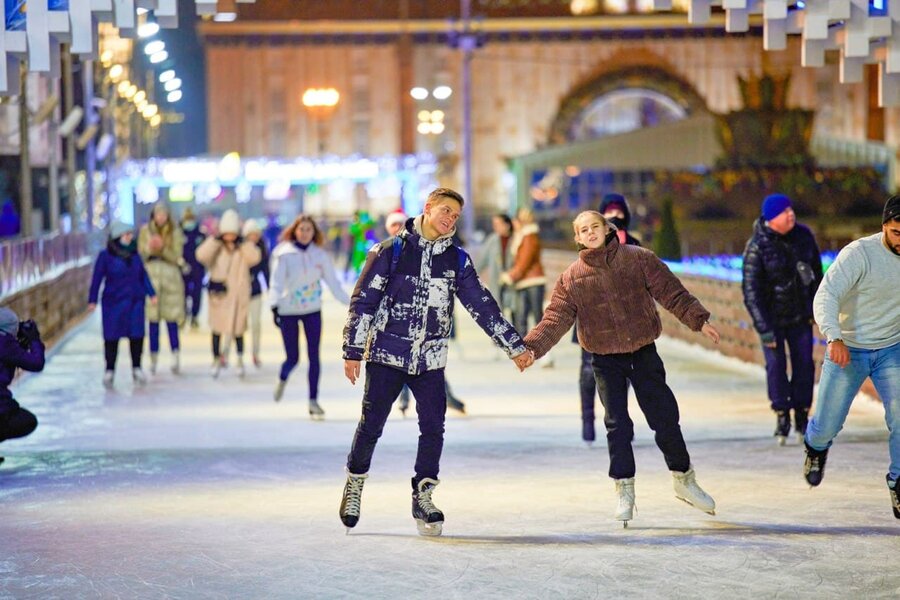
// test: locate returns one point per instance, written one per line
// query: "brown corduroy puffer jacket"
(612, 291)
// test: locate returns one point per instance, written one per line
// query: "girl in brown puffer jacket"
(612, 289)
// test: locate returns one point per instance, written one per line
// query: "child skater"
(611, 289)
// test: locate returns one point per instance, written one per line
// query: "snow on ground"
(195, 488)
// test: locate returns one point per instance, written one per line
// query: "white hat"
(230, 222)
(250, 226)
(394, 218)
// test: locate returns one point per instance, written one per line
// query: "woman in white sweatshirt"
(299, 264)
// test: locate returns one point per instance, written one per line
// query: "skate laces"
(423, 499)
(354, 495)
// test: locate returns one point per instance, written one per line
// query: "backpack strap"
(396, 248)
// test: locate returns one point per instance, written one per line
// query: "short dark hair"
(442, 192)
(505, 218)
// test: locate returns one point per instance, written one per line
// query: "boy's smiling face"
(590, 230)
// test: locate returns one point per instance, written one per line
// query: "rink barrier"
(725, 300)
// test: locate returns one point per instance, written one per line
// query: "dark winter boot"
(350, 504)
(429, 519)
(782, 426)
(814, 465)
(892, 488)
(455, 403)
(801, 419)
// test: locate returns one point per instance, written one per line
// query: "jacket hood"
(616, 199)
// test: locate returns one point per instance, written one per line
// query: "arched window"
(624, 110)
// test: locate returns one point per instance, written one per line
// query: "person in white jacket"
(298, 266)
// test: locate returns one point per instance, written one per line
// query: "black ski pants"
(644, 369)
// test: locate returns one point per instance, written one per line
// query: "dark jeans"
(290, 334)
(383, 385)
(193, 290)
(644, 369)
(529, 302)
(111, 351)
(796, 393)
(171, 327)
(15, 421)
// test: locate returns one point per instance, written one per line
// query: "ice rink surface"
(200, 488)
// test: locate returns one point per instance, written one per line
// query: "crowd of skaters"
(400, 323)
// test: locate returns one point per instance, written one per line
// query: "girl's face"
(160, 217)
(305, 232)
(590, 231)
(229, 238)
(500, 226)
(126, 238)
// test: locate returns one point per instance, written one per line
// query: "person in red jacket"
(612, 289)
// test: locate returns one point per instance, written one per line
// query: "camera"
(28, 332)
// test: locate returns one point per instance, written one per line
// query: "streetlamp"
(320, 103)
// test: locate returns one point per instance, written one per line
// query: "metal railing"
(26, 262)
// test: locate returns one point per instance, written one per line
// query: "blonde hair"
(590, 213)
(525, 215)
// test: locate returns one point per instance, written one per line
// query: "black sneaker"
(350, 503)
(429, 519)
(782, 426)
(814, 465)
(892, 488)
(801, 420)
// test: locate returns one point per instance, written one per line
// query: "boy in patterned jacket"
(399, 323)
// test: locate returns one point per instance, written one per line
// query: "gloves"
(28, 333)
(767, 338)
(276, 318)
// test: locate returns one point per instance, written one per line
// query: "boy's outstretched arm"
(484, 309)
(559, 316)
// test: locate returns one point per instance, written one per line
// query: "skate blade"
(781, 440)
(429, 529)
(316, 417)
(691, 504)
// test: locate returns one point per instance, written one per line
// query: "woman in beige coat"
(160, 244)
(228, 260)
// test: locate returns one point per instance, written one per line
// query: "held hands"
(710, 332)
(154, 300)
(276, 318)
(524, 360)
(839, 353)
(351, 370)
(92, 307)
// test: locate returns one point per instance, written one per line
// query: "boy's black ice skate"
(892, 488)
(782, 426)
(350, 503)
(429, 519)
(814, 465)
(588, 434)
(801, 420)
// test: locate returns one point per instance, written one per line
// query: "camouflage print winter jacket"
(400, 312)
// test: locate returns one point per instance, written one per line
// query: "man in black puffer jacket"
(782, 270)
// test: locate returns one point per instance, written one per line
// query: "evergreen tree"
(667, 243)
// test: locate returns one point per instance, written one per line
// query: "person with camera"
(782, 270)
(126, 283)
(20, 348)
(228, 258)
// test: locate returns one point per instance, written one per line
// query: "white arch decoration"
(46, 29)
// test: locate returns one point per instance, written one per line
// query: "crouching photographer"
(20, 348)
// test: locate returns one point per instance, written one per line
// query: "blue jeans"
(798, 392)
(838, 387)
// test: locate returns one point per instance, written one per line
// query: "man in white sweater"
(857, 308)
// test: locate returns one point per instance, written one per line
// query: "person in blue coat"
(20, 348)
(125, 284)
